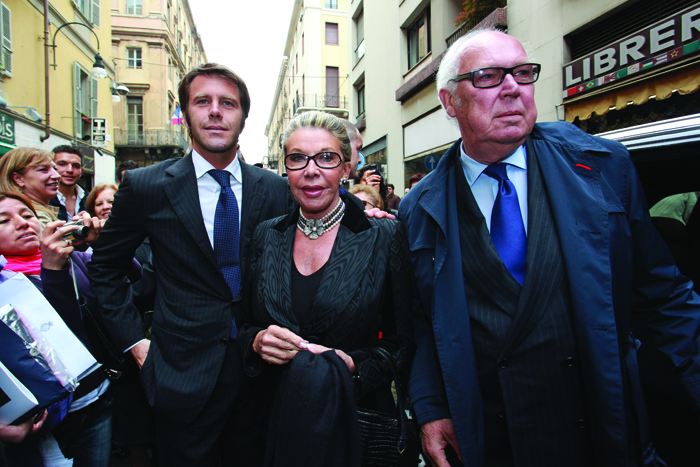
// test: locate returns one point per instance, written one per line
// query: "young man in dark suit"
(199, 212)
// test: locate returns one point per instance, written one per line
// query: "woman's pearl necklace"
(314, 228)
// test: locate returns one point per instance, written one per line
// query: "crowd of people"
(521, 293)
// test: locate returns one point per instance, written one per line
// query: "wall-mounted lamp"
(98, 68)
(118, 89)
(31, 112)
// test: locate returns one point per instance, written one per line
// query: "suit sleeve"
(426, 386)
(112, 257)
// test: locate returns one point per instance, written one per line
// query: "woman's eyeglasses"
(323, 160)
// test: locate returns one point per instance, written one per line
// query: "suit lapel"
(181, 189)
(545, 268)
(352, 251)
(276, 274)
(482, 265)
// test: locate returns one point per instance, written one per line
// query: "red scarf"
(29, 265)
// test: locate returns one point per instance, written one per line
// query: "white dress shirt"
(485, 188)
(209, 190)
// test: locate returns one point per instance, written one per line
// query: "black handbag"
(389, 441)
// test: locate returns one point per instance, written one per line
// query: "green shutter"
(95, 13)
(6, 40)
(93, 97)
(77, 100)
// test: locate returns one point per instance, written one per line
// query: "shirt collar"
(473, 169)
(202, 166)
(79, 193)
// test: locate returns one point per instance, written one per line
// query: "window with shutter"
(332, 33)
(95, 13)
(6, 25)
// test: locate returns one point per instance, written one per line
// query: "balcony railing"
(320, 101)
(498, 21)
(150, 138)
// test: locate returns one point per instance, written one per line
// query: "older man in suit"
(199, 213)
(539, 273)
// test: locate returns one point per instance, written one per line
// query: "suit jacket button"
(569, 361)
(503, 364)
(223, 341)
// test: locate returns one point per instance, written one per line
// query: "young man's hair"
(68, 149)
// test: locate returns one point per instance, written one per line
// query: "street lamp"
(98, 68)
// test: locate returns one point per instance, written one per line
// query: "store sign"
(670, 39)
(99, 132)
(7, 129)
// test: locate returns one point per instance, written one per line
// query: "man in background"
(70, 198)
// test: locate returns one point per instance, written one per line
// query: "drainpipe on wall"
(46, 70)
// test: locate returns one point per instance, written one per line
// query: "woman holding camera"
(322, 284)
(48, 260)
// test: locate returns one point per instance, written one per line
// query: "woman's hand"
(54, 249)
(95, 225)
(277, 345)
(319, 349)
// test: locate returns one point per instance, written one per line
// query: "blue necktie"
(507, 228)
(226, 236)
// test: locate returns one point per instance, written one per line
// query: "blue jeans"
(86, 435)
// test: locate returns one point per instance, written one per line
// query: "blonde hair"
(369, 191)
(323, 121)
(18, 161)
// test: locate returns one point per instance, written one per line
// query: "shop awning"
(684, 80)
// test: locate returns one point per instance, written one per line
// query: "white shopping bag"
(36, 311)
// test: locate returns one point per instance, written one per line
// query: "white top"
(79, 194)
(485, 188)
(209, 190)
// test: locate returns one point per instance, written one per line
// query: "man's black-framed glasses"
(526, 73)
(323, 160)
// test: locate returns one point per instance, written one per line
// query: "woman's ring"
(67, 242)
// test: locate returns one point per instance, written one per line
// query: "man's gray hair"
(351, 129)
(449, 67)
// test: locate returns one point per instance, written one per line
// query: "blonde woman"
(32, 172)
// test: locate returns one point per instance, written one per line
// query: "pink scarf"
(29, 265)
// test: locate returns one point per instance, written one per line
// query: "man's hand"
(140, 351)
(277, 345)
(371, 178)
(378, 213)
(435, 437)
(15, 434)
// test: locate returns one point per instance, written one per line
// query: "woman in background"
(99, 201)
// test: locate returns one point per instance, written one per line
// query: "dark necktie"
(507, 228)
(226, 236)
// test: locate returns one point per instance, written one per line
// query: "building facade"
(396, 49)
(154, 44)
(49, 94)
(314, 71)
